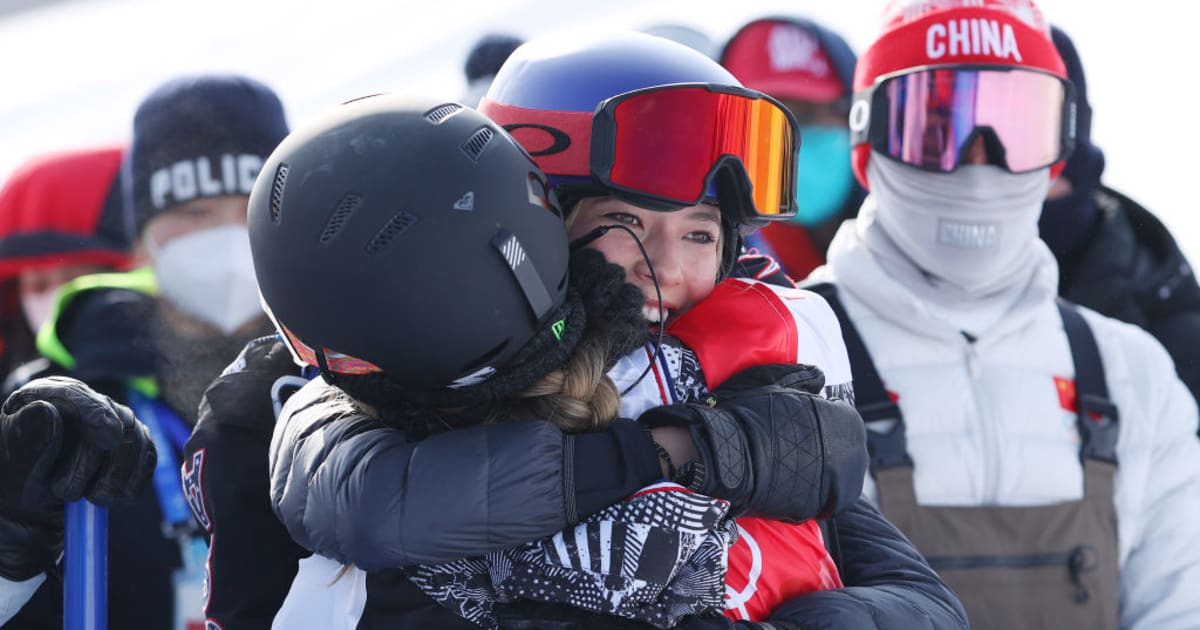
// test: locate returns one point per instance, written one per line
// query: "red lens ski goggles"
(931, 117)
(668, 144)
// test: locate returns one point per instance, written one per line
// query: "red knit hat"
(64, 208)
(780, 58)
(921, 33)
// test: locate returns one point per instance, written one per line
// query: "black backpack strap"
(1097, 419)
(888, 449)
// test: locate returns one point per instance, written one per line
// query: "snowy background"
(72, 72)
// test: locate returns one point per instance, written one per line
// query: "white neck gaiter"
(972, 232)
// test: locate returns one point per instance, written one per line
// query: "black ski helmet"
(411, 238)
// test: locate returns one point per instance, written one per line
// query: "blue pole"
(85, 592)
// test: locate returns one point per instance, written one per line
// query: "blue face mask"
(825, 179)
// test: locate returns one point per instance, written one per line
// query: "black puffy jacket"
(253, 560)
(225, 472)
(1132, 269)
(387, 501)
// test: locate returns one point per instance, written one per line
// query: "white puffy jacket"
(986, 424)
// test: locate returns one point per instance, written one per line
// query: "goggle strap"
(860, 116)
(559, 141)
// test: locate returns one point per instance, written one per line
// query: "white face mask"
(38, 306)
(210, 275)
(975, 228)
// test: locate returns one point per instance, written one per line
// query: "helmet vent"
(394, 227)
(440, 113)
(337, 220)
(479, 140)
(277, 192)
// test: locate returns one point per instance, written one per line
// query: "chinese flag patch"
(1066, 397)
(1066, 393)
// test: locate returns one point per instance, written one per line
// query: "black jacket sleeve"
(888, 583)
(252, 560)
(353, 489)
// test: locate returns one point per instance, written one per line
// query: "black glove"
(772, 447)
(61, 441)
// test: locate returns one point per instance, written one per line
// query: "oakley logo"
(972, 36)
(558, 139)
(968, 235)
(186, 180)
(791, 48)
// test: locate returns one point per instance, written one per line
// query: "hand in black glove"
(61, 441)
(771, 446)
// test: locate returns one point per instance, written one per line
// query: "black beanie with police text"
(199, 136)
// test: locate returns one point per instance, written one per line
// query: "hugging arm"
(356, 490)
(349, 487)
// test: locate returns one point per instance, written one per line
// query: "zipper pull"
(972, 356)
(1077, 563)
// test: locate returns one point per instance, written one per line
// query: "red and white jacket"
(741, 324)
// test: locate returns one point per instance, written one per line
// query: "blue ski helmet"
(547, 92)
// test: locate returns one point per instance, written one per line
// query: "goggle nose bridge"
(993, 147)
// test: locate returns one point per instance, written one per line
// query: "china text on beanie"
(988, 32)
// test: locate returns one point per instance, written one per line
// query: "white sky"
(73, 73)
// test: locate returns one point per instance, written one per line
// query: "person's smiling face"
(684, 247)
